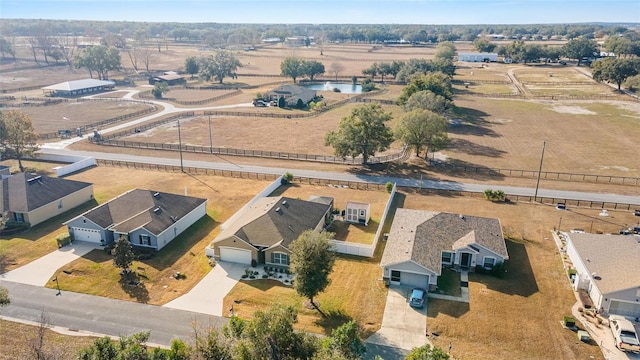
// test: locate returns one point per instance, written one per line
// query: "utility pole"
(180, 147)
(535, 197)
(210, 137)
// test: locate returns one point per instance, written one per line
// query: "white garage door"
(414, 280)
(625, 308)
(235, 255)
(86, 235)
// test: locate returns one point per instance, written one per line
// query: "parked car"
(636, 212)
(416, 300)
(561, 206)
(624, 334)
(259, 103)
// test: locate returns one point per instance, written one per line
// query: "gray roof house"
(33, 198)
(608, 268)
(147, 218)
(291, 94)
(266, 229)
(420, 243)
(78, 87)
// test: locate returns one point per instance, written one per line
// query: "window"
(60, 204)
(19, 217)
(280, 258)
(395, 275)
(145, 239)
(362, 213)
(489, 262)
(447, 257)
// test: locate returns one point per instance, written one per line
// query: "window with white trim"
(447, 257)
(280, 258)
(145, 239)
(488, 262)
(362, 213)
(395, 276)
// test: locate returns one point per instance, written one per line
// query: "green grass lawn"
(449, 283)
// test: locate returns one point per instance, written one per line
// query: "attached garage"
(89, 235)
(409, 279)
(625, 308)
(235, 255)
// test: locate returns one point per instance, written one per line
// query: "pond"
(329, 86)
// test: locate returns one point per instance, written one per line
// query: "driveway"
(402, 326)
(40, 271)
(207, 296)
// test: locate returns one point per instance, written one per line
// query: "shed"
(357, 213)
(78, 87)
(477, 57)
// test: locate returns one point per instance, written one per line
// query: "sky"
(427, 12)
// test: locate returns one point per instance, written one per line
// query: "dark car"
(561, 206)
(416, 300)
(259, 103)
(636, 212)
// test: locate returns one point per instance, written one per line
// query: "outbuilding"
(78, 87)
(477, 57)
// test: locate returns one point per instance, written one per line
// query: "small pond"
(329, 86)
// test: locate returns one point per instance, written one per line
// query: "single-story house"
(291, 94)
(297, 41)
(608, 268)
(169, 79)
(420, 243)
(78, 87)
(357, 212)
(477, 57)
(266, 229)
(148, 219)
(35, 198)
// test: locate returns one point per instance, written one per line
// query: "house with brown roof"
(148, 219)
(421, 243)
(33, 198)
(291, 94)
(608, 269)
(265, 230)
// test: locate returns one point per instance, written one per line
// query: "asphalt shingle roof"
(26, 192)
(615, 259)
(421, 236)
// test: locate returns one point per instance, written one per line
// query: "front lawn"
(449, 283)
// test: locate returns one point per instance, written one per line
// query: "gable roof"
(273, 220)
(357, 205)
(79, 85)
(293, 92)
(25, 192)
(613, 258)
(138, 208)
(421, 236)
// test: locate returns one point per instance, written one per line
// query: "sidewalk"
(40, 271)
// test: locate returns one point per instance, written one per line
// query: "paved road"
(75, 312)
(405, 182)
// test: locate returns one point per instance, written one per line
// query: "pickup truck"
(624, 334)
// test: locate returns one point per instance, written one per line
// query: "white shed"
(357, 213)
(478, 57)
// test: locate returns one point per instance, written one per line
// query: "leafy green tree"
(484, 45)
(427, 100)
(313, 68)
(422, 128)
(123, 255)
(426, 352)
(345, 340)
(292, 67)
(159, 89)
(191, 66)
(219, 66)
(100, 59)
(445, 50)
(615, 70)
(633, 83)
(215, 346)
(312, 261)
(4, 297)
(363, 132)
(579, 48)
(18, 139)
(128, 347)
(371, 71)
(5, 47)
(517, 50)
(620, 46)
(436, 82)
(411, 67)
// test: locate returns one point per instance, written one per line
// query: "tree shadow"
(447, 307)
(332, 320)
(471, 148)
(132, 284)
(518, 279)
(456, 167)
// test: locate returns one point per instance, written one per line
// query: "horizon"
(346, 12)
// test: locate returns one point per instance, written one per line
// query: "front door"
(465, 260)
(261, 257)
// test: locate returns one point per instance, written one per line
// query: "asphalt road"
(79, 313)
(405, 182)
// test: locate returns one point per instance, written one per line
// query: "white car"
(624, 334)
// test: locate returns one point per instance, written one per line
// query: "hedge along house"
(421, 243)
(32, 198)
(266, 229)
(78, 87)
(148, 219)
(608, 268)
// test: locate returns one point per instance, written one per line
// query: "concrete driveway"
(402, 326)
(207, 296)
(39, 271)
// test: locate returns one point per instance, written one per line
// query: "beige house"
(266, 229)
(32, 198)
(421, 243)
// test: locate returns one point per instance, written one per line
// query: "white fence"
(366, 250)
(77, 163)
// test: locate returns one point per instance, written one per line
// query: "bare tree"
(336, 69)
(68, 46)
(133, 57)
(37, 342)
(146, 55)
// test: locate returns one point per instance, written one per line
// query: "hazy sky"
(330, 11)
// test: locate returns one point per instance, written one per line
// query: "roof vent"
(35, 178)
(174, 218)
(157, 194)
(284, 202)
(157, 211)
(461, 216)
(278, 209)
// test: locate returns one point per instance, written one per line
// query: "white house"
(608, 268)
(477, 57)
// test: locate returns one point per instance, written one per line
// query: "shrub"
(287, 178)
(254, 263)
(354, 79)
(252, 277)
(389, 187)
(244, 276)
(569, 321)
(498, 269)
(63, 239)
(264, 276)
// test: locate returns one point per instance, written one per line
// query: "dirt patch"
(576, 110)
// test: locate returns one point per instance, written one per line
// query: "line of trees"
(294, 67)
